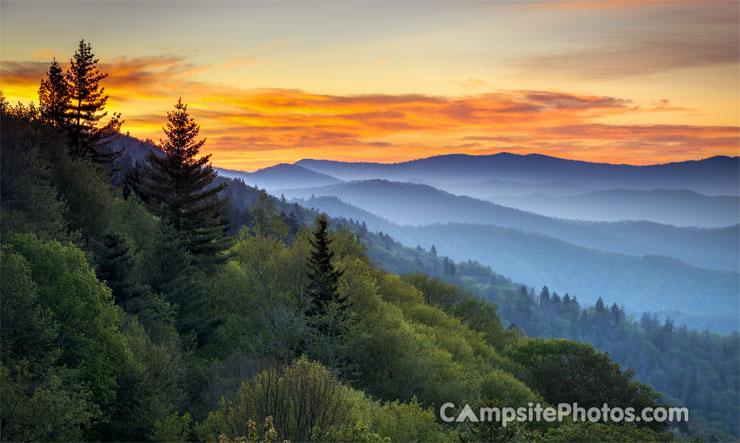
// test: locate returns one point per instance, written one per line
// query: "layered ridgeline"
(641, 265)
(416, 204)
(680, 207)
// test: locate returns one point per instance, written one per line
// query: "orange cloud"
(253, 128)
(43, 54)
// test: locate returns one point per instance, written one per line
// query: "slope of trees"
(699, 369)
(113, 330)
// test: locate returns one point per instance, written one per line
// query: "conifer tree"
(87, 101)
(171, 271)
(54, 96)
(177, 188)
(323, 277)
(115, 266)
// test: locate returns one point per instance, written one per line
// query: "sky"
(638, 82)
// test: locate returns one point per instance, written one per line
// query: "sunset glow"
(655, 82)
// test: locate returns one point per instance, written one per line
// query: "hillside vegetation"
(113, 332)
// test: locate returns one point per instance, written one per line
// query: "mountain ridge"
(418, 204)
(716, 175)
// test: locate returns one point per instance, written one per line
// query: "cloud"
(639, 55)
(251, 128)
(43, 54)
(658, 36)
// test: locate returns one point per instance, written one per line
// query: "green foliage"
(587, 431)
(304, 399)
(323, 277)
(51, 405)
(148, 386)
(475, 312)
(115, 266)
(173, 428)
(30, 200)
(45, 191)
(169, 270)
(563, 371)
(41, 399)
(84, 310)
(406, 422)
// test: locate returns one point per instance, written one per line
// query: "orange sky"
(651, 99)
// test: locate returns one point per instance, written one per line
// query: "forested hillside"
(651, 282)
(114, 330)
(161, 302)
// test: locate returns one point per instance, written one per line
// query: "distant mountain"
(416, 204)
(675, 207)
(134, 149)
(712, 176)
(280, 176)
(642, 283)
(494, 188)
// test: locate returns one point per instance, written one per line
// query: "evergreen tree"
(323, 278)
(86, 104)
(600, 308)
(448, 267)
(177, 188)
(115, 266)
(293, 223)
(616, 315)
(544, 296)
(131, 180)
(171, 272)
(54, 96)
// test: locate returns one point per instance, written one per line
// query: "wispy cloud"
(652, 36)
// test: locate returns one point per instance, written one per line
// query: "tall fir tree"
(87, 102)
(176, 187)
(54, 96)
(323, 277)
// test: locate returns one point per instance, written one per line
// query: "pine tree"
(86, 104)
(600, 307)
(323, 277)
(177, 188)
(172, 273)
(544, 296)
(115, 266)
(54, 96)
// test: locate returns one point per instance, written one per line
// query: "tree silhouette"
(177, 188)
(86, 104)
(54, 96)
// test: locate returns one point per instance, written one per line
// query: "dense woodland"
(157, 301)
